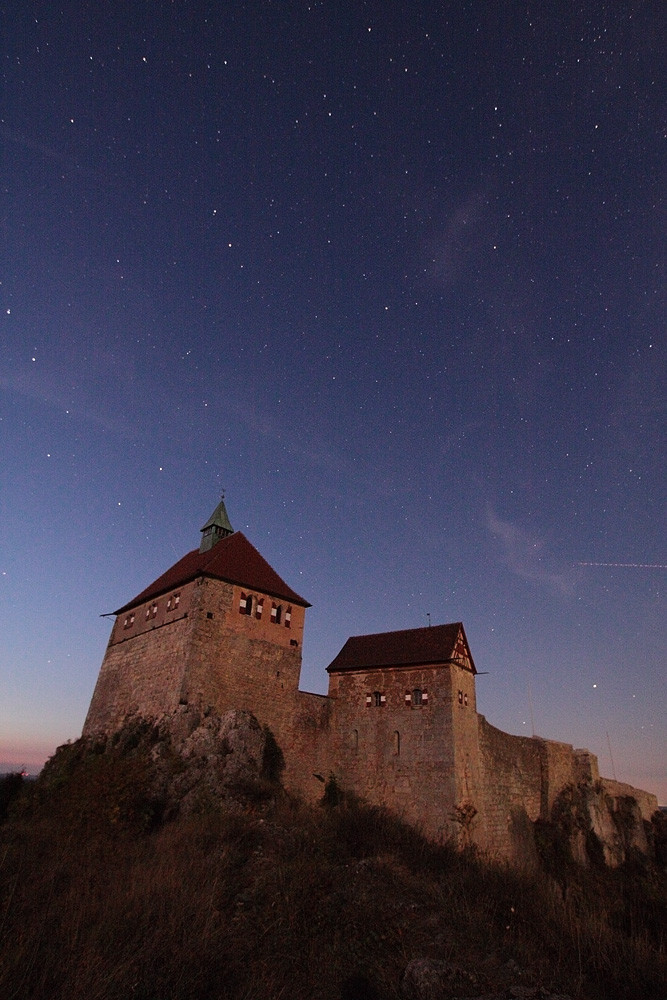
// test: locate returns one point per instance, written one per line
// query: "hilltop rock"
(204, 759)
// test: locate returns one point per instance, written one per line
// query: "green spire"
(218, 526)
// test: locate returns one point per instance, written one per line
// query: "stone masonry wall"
(144, 663)
(306, 745)
(242, 662)
(397, 753)
(510, 792)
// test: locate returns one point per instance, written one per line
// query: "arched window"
(276, 614)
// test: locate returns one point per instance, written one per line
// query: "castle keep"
(222, 630)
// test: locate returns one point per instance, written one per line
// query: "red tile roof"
(233, 559)
(409, 647)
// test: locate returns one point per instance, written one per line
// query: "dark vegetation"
(105, 895)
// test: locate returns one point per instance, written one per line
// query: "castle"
(399, 726)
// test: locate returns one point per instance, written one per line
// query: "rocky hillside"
(168, 864)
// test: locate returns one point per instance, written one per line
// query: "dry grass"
(99, 900)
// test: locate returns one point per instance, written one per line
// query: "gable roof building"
(437, 644)
(221, 630)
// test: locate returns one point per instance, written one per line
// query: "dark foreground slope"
(109, 891)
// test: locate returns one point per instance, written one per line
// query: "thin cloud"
(525, 554)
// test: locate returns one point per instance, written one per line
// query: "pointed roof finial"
(217, 527)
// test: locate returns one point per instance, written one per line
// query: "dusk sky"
(389, 274)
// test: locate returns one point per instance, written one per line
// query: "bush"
(11, 786)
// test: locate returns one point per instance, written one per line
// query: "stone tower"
(219, 629)
(406, 722)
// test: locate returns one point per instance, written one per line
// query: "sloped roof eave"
(260, 575)
(403, 648)
(408, 664)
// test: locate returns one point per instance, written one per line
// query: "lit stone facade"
(221, 630)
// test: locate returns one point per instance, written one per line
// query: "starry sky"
(391, 276)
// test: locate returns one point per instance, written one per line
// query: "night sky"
(389, 274)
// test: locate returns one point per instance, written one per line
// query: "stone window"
(177, 600)
(259, 608)
(288, 616)
(465, 699)
(417, 696)
(276, 614)
(154, 610)
(245, 604)
(460, 697)
(379, 699)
